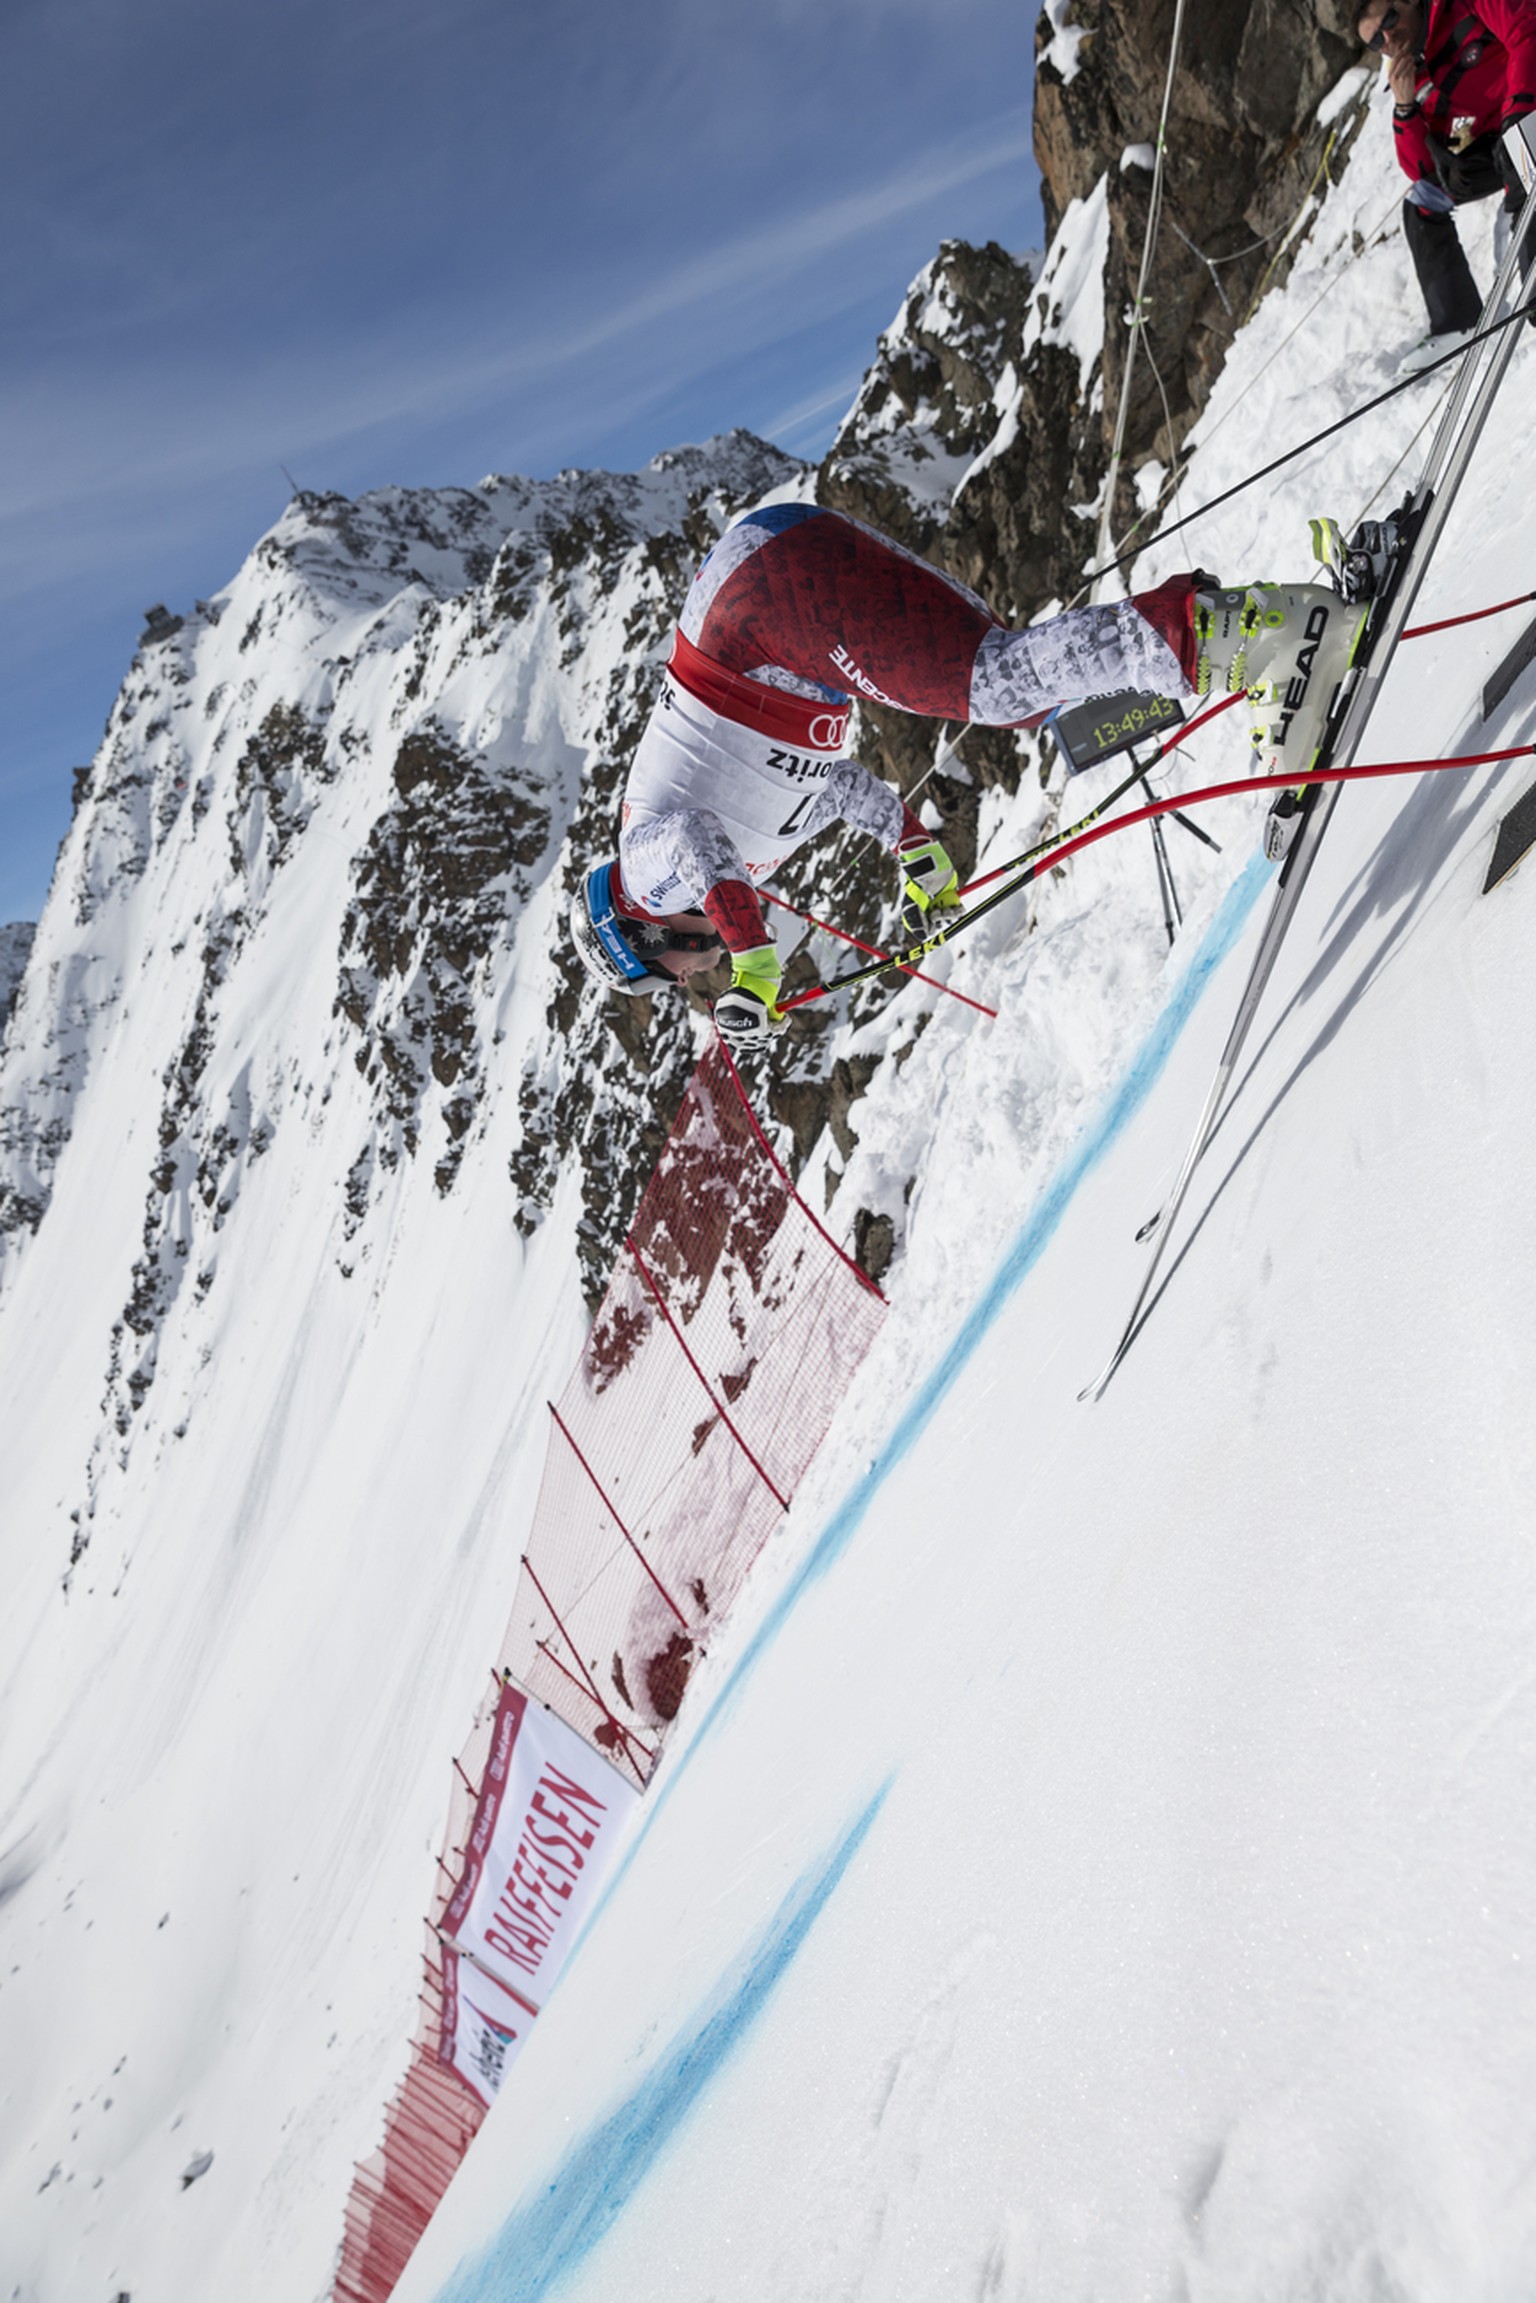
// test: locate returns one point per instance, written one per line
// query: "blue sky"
(417, 244)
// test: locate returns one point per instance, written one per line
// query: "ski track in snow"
(540, 2242)
(1016, 1266)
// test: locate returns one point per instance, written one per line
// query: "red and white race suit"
(796, 612)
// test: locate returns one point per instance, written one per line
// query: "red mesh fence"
(428, 2127)
(731, 1328)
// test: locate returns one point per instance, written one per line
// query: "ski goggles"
(623, 950)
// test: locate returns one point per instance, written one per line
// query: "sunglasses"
(1389, 23)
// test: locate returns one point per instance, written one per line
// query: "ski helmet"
(621, 949)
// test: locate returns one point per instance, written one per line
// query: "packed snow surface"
(1103, 1868)
(1095, 1861)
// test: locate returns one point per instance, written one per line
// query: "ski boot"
(1289, 646)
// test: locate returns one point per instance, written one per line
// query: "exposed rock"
(404, 728)
(442, 872)
(15, 946)
(1244, 151)
(874, 1243)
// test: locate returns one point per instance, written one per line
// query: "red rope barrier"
(803, 1205)
(1288, 783)
(589, 1684)
(1474, 616)
(583, 1687)
(661, 1305)
(613, 1515)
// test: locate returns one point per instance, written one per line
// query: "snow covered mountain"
(1091, 1864)
(305, 1143)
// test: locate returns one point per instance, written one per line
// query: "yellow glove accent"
(932, 883)
(759, 970)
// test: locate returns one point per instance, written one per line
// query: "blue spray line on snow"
(550, 2233)
(1114, 1116)
(595, 2181)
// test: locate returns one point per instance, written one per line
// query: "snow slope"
(1092, 1863)
(1100, 1864)
(273, 1366)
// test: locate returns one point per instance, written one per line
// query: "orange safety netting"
(430, 2124)
(731, 1328)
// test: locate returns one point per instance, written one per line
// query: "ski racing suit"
(796, 612)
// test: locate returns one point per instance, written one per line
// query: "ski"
(1386, 564)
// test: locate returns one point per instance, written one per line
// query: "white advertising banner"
(547, 1824)
(484, 2024)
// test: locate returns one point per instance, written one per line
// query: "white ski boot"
(1289, 646)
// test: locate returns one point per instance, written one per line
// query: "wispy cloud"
(484, 239)
(810, 417)
(752, 261)
(727, 301)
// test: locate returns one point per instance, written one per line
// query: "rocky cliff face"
(1245, 152)
(371, 772)
(15, 944)
(317, 873)
(982, 433)
(998, 390)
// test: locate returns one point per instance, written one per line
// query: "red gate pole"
(781, 1499)
(586, 1676)
(613, 1515)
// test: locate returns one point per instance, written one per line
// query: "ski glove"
(746, 1016)
(932, 883)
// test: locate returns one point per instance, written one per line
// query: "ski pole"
(1085, 839)
(955, 922)
(887, 959)
(1200, 720)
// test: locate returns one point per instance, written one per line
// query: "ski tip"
(1092, 1392)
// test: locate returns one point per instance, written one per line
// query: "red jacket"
(1477, 69)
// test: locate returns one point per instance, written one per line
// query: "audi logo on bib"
(828, 731)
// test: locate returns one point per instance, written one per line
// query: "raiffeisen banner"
(484, 2024)
(547, 1824)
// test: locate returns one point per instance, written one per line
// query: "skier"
(797, 611)
(1460, 71)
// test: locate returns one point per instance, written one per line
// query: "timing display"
(1088, 733)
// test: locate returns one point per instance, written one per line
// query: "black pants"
(1481, 171)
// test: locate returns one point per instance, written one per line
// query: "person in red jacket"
(1460, 71)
